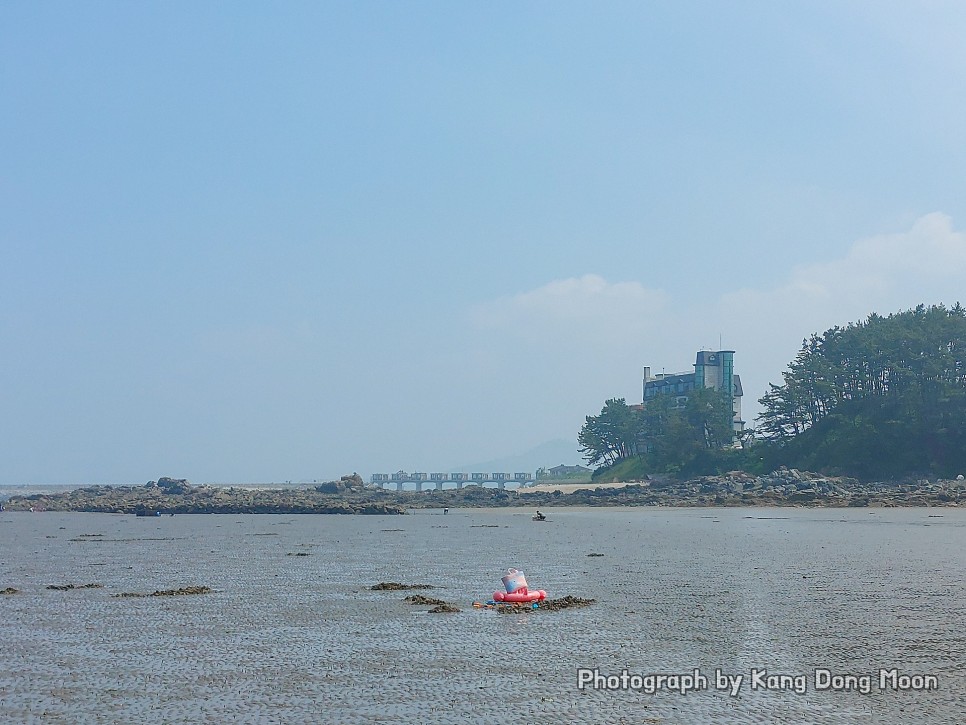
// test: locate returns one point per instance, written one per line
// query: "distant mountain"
(551, 453)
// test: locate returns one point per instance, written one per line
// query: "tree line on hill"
(881, 398)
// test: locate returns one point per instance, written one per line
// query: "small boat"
(538, 517)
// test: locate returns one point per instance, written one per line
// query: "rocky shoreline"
(349, 495)
(169, 496)
(784, 487)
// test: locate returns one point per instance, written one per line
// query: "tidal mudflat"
(292, 632)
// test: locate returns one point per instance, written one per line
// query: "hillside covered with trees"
(883, 398)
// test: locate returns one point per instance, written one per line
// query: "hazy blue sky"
(254, 242)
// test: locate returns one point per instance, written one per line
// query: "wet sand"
(285, 638)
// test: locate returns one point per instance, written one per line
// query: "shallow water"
(302, 639)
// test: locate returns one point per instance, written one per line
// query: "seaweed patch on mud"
(444, 608)
(184, 591)
(549, 605)
(419, 599)
(438, 605)
(397, 587)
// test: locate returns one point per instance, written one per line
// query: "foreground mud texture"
(304, 639)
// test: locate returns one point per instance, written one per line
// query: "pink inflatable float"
(516, 589)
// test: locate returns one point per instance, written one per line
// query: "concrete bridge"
(438, 479)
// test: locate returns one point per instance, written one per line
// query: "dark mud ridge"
(438, 605)
(444, 608)
(420, 600)
(168, 496)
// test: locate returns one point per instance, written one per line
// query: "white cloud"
(885, 273)
(580, 308)
(890, 264)
(629, 325)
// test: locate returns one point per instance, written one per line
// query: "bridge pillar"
(439, 485)
(501, 484)
(419, 486)
(459, 485)
(399, 485)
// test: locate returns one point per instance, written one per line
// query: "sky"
(246, 242)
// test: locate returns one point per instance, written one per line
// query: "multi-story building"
(715, 370)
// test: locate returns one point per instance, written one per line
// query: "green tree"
(613, 435)
(688, 438)
(664, 435)
(879, 398)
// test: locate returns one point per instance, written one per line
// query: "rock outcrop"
(174, 485)
(353, 482)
